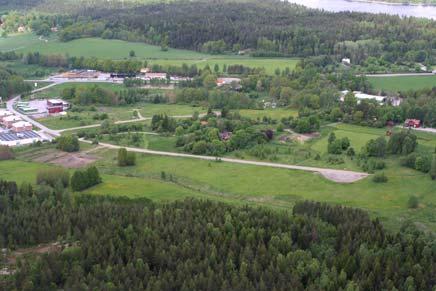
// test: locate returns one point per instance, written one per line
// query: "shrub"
(335, 160)
(52, 177)
(423, 164)
(83, 179)
(409, 160)
(376, 147)
(433, 168)
(413, 202)
(68, 143)
(345, 142)
(126, 158)
(351, 152)
(6, 153)
(335, 147)
(380, 178)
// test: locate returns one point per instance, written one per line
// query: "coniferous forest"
(121, 244)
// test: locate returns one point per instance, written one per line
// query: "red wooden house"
(415, 123)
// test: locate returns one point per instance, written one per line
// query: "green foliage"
(68, 143)
(316, 238)
(413, 202)
(380, 178)
(53, 177)
(376, 147)
(403, 142)
(6, 153)
(433, 168)
(126, 158)
(84, 179)
(214, 47)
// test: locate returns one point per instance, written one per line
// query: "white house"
(346, 61)
(362, 96)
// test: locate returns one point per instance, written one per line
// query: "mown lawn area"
(277, 114)
(149, 109)
(402, 83)
(117, 49)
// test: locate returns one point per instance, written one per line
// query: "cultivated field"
(402, 83)
(117, 49)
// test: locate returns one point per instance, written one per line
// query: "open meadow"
(402, 83)
(117, 49)
(247, 184)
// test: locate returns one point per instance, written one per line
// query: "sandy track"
(339, 176)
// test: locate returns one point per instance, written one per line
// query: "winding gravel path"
(339, 176)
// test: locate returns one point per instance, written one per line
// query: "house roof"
(11, 136)
(21, 124)
(11, 118)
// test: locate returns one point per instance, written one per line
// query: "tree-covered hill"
(272, 28)
(202, 245)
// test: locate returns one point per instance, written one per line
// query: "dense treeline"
(59, 60)
(97, 95)
(200, 245)
(11, 84)
(273, 28)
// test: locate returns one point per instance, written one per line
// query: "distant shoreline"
(393, 3)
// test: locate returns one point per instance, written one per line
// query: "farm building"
(22, 138)
(346, 61)
(9, 120)
(28, 110)
(415, 123)
(4, 113)
(363, 96)
(56, 106)
(227, 81)
(155, 76)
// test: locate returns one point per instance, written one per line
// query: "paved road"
(10, 107)
(340, 176)
(424, 129)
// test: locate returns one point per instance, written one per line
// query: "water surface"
(394, 9)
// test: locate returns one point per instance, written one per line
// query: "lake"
(394, 9)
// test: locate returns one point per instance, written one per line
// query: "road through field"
(339, 176)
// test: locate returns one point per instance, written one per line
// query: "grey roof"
(12, 136)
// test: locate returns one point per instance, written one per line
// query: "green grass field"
(117, 113)
(277, 114)
(117, 49)
(246, 184)
(402, 83)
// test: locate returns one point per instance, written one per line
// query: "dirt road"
(339, 176)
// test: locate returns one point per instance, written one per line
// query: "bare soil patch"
(67, 160)
(299, 137)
